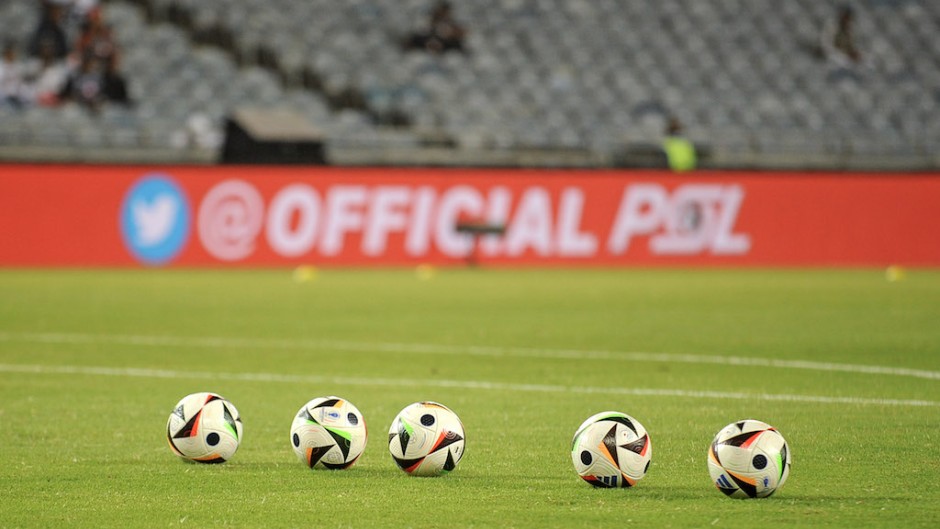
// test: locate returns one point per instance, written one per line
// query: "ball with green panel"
(329, 433)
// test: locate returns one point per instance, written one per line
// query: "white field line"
(472, 350)
(450, 384)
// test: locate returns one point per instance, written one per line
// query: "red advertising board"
(63, 215)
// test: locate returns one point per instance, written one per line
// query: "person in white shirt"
(11, 78)
(46, 77)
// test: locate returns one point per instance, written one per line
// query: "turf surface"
(91, 363)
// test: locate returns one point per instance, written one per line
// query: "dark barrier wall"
(277, 216)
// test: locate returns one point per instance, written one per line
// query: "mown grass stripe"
(443, 383)
(472, 350)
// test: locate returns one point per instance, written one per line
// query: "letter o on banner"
(300, 202)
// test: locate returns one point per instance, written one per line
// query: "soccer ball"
(749, 459)
(611, 449)
(328, 432)
(426, 439)
(204, 427)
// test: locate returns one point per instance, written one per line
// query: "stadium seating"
(594, 76)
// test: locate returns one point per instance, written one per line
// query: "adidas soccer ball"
(611, 449)
(204, 427)
(749, 459)
(328, 432)
(426, 439)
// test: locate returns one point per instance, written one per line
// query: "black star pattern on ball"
(329, 403)
(740, 439)
(610, 442)
(337, 466)
(624, 421)
(343, 443)
(229, 420)
(316, 453)
(407, 465)
(448, 439)
(403, 438)
(449, 464)
(636, 446)
(748, 488)
(188, 429)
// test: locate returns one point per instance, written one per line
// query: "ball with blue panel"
(328, 433)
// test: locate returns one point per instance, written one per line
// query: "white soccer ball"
(328, 432)
(426, 439)
(749, 459)
(204, 427)
(611, 449)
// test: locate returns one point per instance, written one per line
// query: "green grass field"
(92, 362)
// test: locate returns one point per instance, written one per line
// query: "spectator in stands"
(443, 32)
(11, 78)
(96, 39)
(838, 39)
(49, 32)
(680, 152)
(85, 85)
(46, 76)
(114, 87)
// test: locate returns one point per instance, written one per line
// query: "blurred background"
(801, 84)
